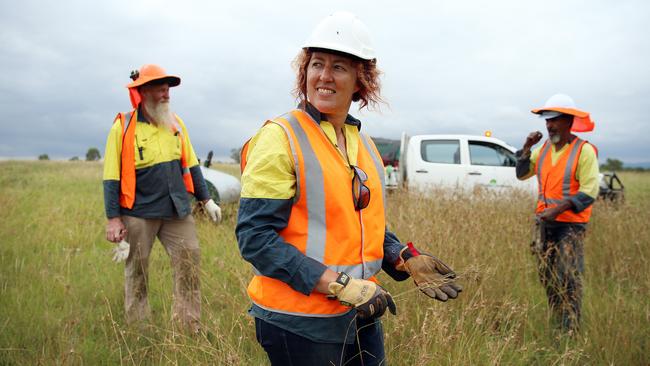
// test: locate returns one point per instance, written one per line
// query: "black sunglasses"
(360, 192)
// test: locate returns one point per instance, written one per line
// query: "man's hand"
(368, 298)
(115, 230)
(430, 274)
(549, 214)
(121, 251)
(531, 140)
(213, 210)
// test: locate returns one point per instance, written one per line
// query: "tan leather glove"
(430, 274)
(368, 298)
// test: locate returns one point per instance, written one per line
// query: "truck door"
(491, 165)
(438, 163)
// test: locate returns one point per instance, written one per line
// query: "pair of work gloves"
(121, 250)
(433, 277)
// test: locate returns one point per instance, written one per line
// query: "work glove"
(213, 210)
(430, 274)
(368, 298)
(121, 251)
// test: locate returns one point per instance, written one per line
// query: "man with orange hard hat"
(150, 169)
(567, 174)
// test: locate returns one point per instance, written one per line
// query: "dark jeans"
(561, 265)
(288, 349)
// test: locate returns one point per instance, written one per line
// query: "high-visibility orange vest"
(557, 183)
(324, 224)
(127, 170)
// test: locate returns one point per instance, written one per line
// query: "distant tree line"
(617, 165)
(91, 155)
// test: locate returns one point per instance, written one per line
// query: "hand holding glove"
(213, 210)
(121, 251)
(430, 274)
(115, 230)
(368, 298)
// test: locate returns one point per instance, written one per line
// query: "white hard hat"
(560, 101)
(563, 104)
(343, 32)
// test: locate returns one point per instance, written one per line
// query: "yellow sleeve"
(587, 171)
(269, 171)
(192, 161)
(113, 152)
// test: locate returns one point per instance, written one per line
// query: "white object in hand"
(121, 251)
(213, 210)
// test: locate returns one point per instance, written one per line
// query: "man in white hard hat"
(566, 167)
(150, 169)
(312, 214)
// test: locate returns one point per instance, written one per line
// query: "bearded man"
(150, 169)
(566, 168)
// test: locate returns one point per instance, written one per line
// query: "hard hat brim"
(571, 111)
(172, 80)
(581, 120)
(337, 48)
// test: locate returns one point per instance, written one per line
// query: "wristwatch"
(343, 279)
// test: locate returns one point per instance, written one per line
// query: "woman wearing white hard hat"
(312, 218)
(566, 167)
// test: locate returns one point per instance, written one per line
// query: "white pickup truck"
(463, 161)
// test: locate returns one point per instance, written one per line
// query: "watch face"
(343, 279)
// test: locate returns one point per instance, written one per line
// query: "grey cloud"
(450, 67)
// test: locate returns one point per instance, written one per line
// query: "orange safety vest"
(324, 224)
(558, 183)
(127, 170)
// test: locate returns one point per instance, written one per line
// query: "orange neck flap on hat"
(582, 124)
(135, 97)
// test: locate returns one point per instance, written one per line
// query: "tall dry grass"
(61, 298)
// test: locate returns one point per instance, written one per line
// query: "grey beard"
(555, 139)
(161, 114)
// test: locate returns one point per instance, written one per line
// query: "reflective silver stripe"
(549, 200)
(566, 183)
(379, 165)
(540, 163)
(296, 163)
(365, 270)
(127, 121)
(302, 314)
(186, 170)
(314, 194)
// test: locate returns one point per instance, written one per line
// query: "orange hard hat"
(150, 72)
(563, 104)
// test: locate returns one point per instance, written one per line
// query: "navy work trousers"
(561, 266)
(288, 349)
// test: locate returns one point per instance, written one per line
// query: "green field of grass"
(61, 296)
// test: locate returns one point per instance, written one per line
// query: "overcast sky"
(449, 67)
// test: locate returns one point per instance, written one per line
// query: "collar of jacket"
(317, 116)
(141, 116)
